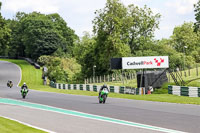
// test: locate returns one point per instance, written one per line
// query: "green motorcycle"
(24, 92)
(103, 95)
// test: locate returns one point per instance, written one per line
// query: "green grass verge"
(33, 79)
(10, 126)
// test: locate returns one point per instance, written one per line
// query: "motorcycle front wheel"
(104, 98)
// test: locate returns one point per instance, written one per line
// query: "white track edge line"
(28, 124)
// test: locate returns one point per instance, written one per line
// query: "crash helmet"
(104, 85)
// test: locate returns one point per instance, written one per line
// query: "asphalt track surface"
(167, 115)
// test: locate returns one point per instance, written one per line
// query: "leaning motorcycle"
(103, 96)
(10, 85)
(24, 92)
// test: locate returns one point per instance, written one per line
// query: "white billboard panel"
(145, 62)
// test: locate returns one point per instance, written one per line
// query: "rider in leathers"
(104, 86)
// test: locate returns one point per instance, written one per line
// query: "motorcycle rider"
(24, 86)
(9, 83)
(102, 87)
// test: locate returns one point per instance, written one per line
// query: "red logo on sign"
(159, 62)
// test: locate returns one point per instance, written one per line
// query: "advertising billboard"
(145, 62)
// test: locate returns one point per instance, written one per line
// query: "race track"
(179, 117)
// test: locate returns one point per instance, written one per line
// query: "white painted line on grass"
(27, 124)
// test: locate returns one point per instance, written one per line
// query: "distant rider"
(9, 83)
(104, 86)
(24, 86)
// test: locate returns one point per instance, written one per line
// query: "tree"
(184, 35)
(110, 40)
(197, 16)
(61, 69)
(69, 36)
(16, 46)
(4, 35)
(83, 46)
(121, 31)
(142, 24)
(37, 34)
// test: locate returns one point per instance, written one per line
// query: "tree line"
(118, 31)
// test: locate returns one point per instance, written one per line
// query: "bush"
(61, 69)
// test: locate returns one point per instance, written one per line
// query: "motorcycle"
(24, 92)
(10, 84)
(103, 96)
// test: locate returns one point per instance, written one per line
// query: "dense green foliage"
(4, 35)
(37, 34)
(61, 69)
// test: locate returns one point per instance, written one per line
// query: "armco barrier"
(184, 91)
(96, 88)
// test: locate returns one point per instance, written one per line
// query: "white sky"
(79, 13)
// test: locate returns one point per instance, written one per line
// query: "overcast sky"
(79, 13)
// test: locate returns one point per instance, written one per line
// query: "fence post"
(189, 71)
(181, 71)
(112, 77)
(108, 78)
(121, 76)
(125, 77)
(185, 73)
(197, 70)
(100, 79)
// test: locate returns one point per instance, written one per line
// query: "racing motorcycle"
(24, 92)
(10, 84)
(103, 95)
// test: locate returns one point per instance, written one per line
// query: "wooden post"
(108, 78)
(189, 71)
(185, 73)
(100, 80)
(125, 77)
(112, 77)
(181, 71)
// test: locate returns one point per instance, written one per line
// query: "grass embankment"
(33, 79)
(10, 126)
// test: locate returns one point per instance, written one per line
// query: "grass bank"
(10, 126)
(33, 79)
